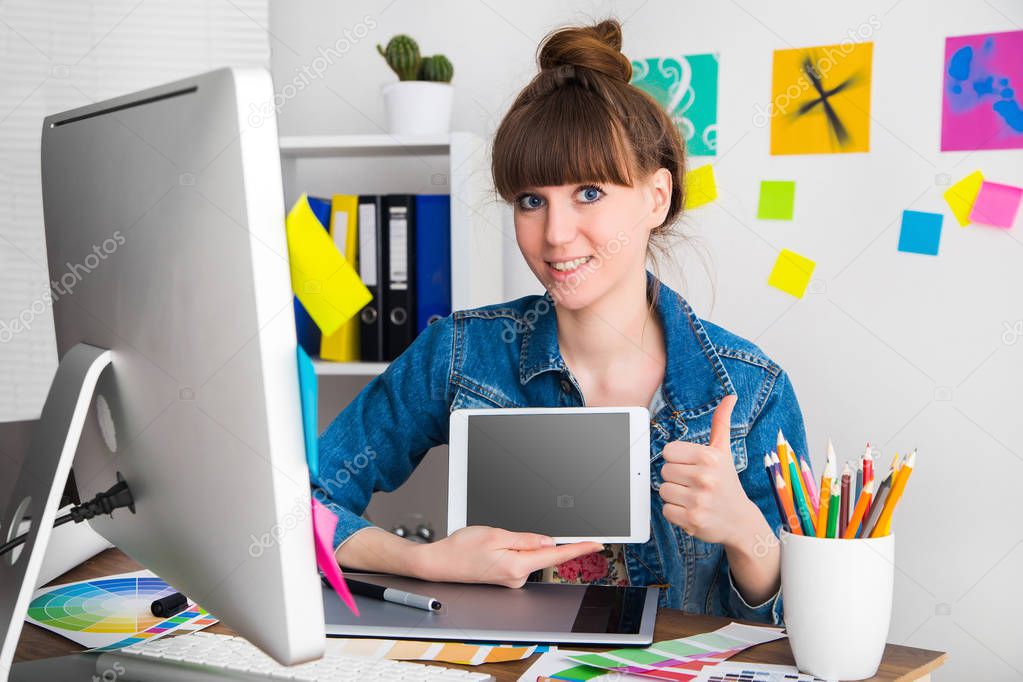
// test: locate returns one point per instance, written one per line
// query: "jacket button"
(565, 386)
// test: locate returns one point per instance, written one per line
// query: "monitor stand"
(39, 486)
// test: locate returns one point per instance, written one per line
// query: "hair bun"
(597, 48)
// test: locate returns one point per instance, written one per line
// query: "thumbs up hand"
(701, 490)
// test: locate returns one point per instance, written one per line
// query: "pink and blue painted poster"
(982, 103)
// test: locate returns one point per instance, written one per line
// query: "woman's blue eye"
(530, 202)
(590, 194)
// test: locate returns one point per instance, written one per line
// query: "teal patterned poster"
(687, 88)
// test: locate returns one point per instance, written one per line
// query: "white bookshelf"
(383, 164)
(477, 241)
(356, 369)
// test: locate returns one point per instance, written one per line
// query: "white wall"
(902, 350)
(60, 54)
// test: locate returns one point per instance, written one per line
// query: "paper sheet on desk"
(461, 653)
(113, 611)
(557, 662)
(681, 659)
(730, 671)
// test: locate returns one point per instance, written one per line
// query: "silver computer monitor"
(165, 239)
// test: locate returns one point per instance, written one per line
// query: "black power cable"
(117, 497)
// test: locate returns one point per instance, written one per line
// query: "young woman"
(594, 168)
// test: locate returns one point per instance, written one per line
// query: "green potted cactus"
(420, 102)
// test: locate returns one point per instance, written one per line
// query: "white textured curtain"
(60, 54)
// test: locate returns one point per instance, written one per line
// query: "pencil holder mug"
(837, 600)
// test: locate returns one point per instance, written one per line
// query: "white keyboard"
(205, 657)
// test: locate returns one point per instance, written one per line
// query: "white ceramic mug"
(837, 599)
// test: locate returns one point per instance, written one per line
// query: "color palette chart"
(112, 612)
(730, 671)
(676, 659)
(469, 653)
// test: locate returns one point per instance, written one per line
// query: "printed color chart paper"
(112, 612)
(676, 659)
(470, 653)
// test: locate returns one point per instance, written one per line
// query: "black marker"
(393, 595)
(165, 607)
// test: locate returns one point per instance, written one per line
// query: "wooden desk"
(899, 663)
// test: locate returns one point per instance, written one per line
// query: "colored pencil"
(876, 505)
(794, 458)
(776, 463)
(787, 492)
(802, 506)
(884, 522)
(769, 469)
(783, 459)
(843, 511)
(825, 494)
(859, 481)
(861, 507)
(868, 474)
(833, 507)
(811, 486)
(786, 500)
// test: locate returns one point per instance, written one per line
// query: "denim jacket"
(506, 355)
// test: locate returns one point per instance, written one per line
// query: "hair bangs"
(568, 137)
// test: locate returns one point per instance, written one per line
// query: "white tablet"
(573, 473)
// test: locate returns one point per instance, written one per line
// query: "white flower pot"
(418, 107)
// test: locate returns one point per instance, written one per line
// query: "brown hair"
(580, 120)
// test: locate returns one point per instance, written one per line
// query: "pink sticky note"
(996, 204)
(324, 523)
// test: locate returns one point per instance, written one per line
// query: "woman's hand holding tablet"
(483, 554)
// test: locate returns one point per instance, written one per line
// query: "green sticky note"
(777, 198)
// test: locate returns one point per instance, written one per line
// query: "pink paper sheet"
(324, 523)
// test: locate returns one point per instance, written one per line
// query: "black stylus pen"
(391, 594)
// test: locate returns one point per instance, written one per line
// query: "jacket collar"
(695, 379)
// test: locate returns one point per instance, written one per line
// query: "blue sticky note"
(307, 387)
(920, 233)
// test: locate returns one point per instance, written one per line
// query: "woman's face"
(581, 240)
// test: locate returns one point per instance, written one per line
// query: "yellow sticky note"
(791, 273)
(700, 186)
(325, 283)
(960, 196)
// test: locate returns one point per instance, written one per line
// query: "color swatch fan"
(112, 612)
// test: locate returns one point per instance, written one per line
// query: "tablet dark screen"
(559, 474)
